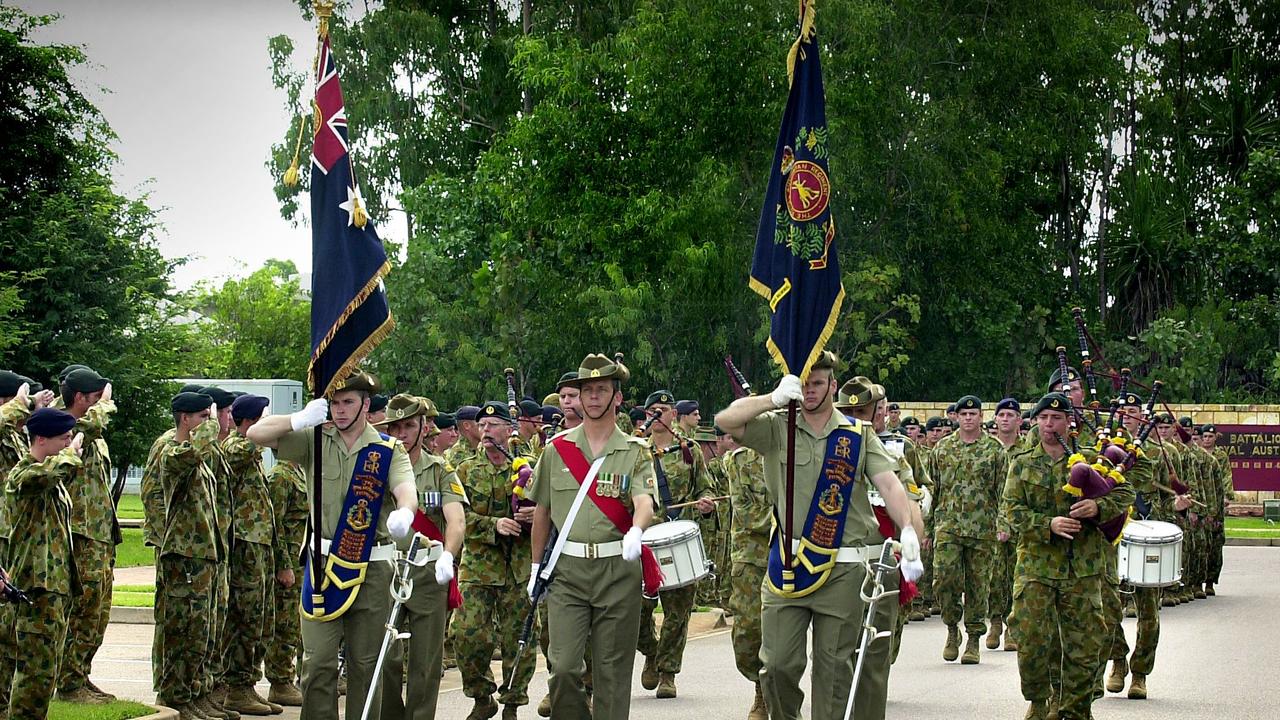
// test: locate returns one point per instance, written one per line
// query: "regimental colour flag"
(349, 312)
(795, 267)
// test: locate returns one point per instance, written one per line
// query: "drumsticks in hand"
(717, 498)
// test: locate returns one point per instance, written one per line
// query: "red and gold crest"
(808, 191)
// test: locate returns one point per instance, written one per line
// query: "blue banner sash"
(824, 527)
(354, 538)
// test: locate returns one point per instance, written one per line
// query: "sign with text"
(1255, 455)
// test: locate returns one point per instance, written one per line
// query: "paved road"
(1217, 659)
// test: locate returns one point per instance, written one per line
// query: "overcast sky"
(187, 87)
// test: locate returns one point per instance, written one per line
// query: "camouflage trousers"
(214, 667)
(1060, 635)
(90, 610)
(873, 683)
(744, 602)
(284, 634)
(157, 631)
(1198, 566)
(183, 614)
(40, 631)
(248, 618)
(491, 617)
(667, 648)
(7, 639)
(1000, 601)
(1216, 538)
(1147, 604)
(962, 566)
(712, 590)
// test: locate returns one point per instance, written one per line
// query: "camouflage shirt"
(288, 491)
(490, 558)
(1033, 495)
(1228, 489)
(191, 517)
(223, 494)
(40, 549)
(251, 503)
(454, 456)
(967, 480)
(152, 492)
(92, 512)
(687, 479)
(1196, 462)
(752, 511)
(13, 447)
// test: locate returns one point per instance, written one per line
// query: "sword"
(401, 590)
(886, 563)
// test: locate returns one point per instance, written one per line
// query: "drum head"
(1152, 532)
(669, 532)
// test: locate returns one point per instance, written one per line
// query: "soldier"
(681, 477)
(469, 435)
(596, 575)
(87, 396)
(41, 559)
(749, 548)
(796, 598)
(911, 428)
(1008, 418)
(288, 492)
(224, 506)
(1062, 556)
(190, 549)
(893, 421)
(494, 572)
(249, 570)
(377, 409)
(445, 428)
(933, 429)
(530, 424)
(688, 415)
(1223, 494)
(1196, 464)
(570, 404)
(353, 452)
(1173, 456)
(967, 470)
(953, 414)
(441, 499)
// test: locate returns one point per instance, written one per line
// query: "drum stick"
(717, 498)
(1171, 491)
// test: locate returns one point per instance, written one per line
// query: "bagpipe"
(521, 476)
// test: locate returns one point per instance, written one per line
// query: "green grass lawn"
(119, 710)
(1252, 527)
(132, 553)
(130, 507)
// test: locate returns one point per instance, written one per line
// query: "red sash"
(907, 590)
(426, 526)
(612, 508)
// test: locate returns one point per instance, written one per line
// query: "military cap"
(35, 387)
(431, 409)
(1185, 421)
(552, 399)
(856, 392)
(248, 407)
(1026, 424)
(444, 421)
(1130, 399)
(659, 397)
(1055, 380)
(684, 407)
(62, 376)
(968, 402)
(637, 415)
(530, 408)
(568, 378)
(893, 406)
(951, 408)
(1208, 428)
(933, 422)
(596, 367)
(551, 414)
(192, 387)
(705, 435)
(84, 380)
(190, 402)
(378, 402)
(494, 409)
(951, 423)
(1052, 401)
(910, 421)
(719, 431)
(1164, 418)
(219, 396)
(1008, 404)
(360, 381)
(1026, 414)
(404, 407)
(466, 412)
(50, 422)
(10, 382)
(989, 425)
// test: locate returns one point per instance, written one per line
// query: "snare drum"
(677, 545)
(1151, 554)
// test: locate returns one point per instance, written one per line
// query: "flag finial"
(324, 11)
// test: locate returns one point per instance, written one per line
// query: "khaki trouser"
(873, 685)
(424, 618)
(361, 628)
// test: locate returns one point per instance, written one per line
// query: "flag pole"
(790, 486)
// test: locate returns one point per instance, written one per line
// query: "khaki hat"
(598, 367)
(858, 392)
(405, 407)
(360, 380)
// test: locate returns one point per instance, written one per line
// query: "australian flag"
(349, 312)
(795, 267)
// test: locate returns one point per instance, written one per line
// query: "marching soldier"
(749, 535)
(1171, 455)
(688, 415)
(796, 598)
(596, 575)
(441, 500)
(1008, 419)
(357, 464)
(682, 477)
(1223, 494)
(570, 404)
(443, 432)
(1196, 462)
(287, 489)
(469, 435)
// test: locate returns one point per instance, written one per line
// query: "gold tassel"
(291, 175)
(807, 13)
(358, 215)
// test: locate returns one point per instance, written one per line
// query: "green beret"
(637, 415)
(1164, 418)
(1052, 401)
(84, 380)
(1185, 421)
(530, 408)
(933, 422)
(1056, 378)
(191, 387)
(968, 402)
(248, 407)
(494, 409)
(1208, 428)
(444, 421)
(657, 397)
(50, 422)
(378, 402)
(190, 402)
(910, 421)
(62, 376)
(951, 408)
(1130, 400)
(1008, 404)
(569, 378)
(10, 382)
(221, 397)
(686, 407)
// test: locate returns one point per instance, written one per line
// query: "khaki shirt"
(432, 474)
(339, 463)
(767, 435)
(628, 465)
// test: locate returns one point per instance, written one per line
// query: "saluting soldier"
(224, 505)
(441, 499)
(287, 489)
(749, 552)
(596, 596)
(796, 598)
(357, 463)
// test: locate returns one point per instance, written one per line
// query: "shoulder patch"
(455, 487)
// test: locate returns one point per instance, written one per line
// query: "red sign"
(1255, 455)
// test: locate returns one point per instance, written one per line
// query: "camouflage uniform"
(966, 503)
(1225, 491)
(13, 447)
(715, 534)
(288, 493)
(495, 569)
(153, 519)
(1197, 476)
(926, 602)
(459, 453)
(749, 540)
(1000, 600)
(224, 504)
(1173, 462)
(1057, 592)
(41, 561)
(250, 573)
(190, 549)
(93, 525)
(686, 481)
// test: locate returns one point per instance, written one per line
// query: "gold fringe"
(807, 14)
(1072, 490)
(366, 346)
(828, 328)
(760, 288)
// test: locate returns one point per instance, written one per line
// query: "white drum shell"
(1150, 554)
(677, 545)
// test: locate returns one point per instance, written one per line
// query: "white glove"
(399, 522)
(631, 544)
(788, 389)
(926, 502)
(533, 579)
(912, 569)
(910, 544)
(444, 568)
(316, 412)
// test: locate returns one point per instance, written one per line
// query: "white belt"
(426, 554)
(592, 550)
(846, 555)
(379, 552)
